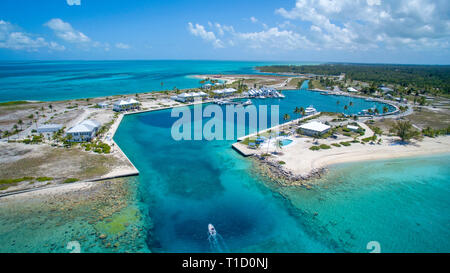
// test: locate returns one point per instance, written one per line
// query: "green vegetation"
(70, 180)
(428, 77)
(430, 132)
(368, 139)
(324, 146)
(405, 131)
(281, 162)
(44, 178)
(97, 147)
(34, 140)
(321, 146)
(336, 144)
(15, 180)
(13, 103)
(345, 143)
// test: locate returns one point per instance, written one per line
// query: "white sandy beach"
(300, 160)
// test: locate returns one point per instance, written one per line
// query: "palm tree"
(302, 110)
(297, 111)
(286, 117)
(51, 107)
(6, 134)
(376, 111)
(268, 143)
(35, 123)
(337, 103)
(345, 108)
(351, 103)
(385, 109)
(20, 122)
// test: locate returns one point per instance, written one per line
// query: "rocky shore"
(276, 173)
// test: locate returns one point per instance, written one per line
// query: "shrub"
(345, 143)
(325, 146)
(336, 144)
(70, 180)
(44, 178)
(281, 162)
(314, 148)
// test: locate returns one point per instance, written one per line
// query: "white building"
(125, 105)
(353, 128)
(49, 129)
(224, 92)
(84, 131)
(352, 90)
(102, 105)
(314, 128)
(186, 97)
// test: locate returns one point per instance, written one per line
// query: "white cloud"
(122, 46)
(66, 32)
(12, 38)
(73, 2)
(374, 23)
(209, 36)
(346, 25)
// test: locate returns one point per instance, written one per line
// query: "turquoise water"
(61, 80)
(188, 184)
(402, 203)
(286, 142)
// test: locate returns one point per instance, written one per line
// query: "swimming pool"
(286, 142)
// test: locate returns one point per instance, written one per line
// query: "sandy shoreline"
(301, 161)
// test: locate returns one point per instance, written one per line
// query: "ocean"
(63, 80)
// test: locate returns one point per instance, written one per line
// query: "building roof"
(80, 128)
(90, 122)
(352, 127)
(126, 102)
(84, 127)
(351, 89)
(50, 127)
(315, 126)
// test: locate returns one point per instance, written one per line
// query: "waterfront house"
(224, 92)
(189, 97)
(125, 105)
(84, 131)
(314, 128)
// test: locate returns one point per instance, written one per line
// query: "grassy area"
(13, 103)
(71, 180)
(423, 117)
(58, 163)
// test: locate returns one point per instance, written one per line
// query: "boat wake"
(216, 242)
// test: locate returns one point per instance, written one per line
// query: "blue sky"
(382, 31)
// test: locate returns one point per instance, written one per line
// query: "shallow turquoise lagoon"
(401, 203)
(188, 184)
(62, 80)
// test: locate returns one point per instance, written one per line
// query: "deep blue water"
(61, 80)
(188, 184)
